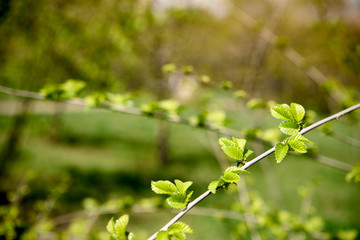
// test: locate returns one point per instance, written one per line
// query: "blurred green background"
(58, 159)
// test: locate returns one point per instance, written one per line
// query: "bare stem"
(252, 162)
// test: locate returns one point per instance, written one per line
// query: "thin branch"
(261, 46)
(120, 109)
(333, 163)
(252, 162)
(346, 139)
(290, 53)
(137, 112)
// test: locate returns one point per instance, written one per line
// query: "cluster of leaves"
(346, 96)
(216, 118)
(166, 108)
(293, 116)
(179, 197)
(235, 149)
(274, 223)
(354, 174)
(176, 231)
(118, 229)
(74, 88)
(230, 175)
(70, 89)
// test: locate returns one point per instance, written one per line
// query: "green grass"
(108, 155)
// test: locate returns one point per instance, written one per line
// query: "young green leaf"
(240, 142)
(213, 186)
(230, 177)
(281, 111)
(131, 236)
(72, 87)
(110, 227)
(236, 170)
(233, 152)
(289, 127)
(163, 187)
(297, 146)
(298, 111)
(354, 174)
(181, 227)
(178, 236)
(121, 224)
(162, 235)
(177, 201)
(217, 117)
(232, 149)
(300, 138)
(248, 153)
(182, 186)
(168, 68)
(280, 151)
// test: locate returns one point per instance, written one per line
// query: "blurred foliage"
(114, 45)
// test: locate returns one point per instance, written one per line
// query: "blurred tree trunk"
(159, 58)
(10, 149)
(57, 122)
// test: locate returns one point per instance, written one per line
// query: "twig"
(346, 139)
(252, 162)
(120, 109)
(137, 112)
(257, 55)
(333, 163)
(290, 53)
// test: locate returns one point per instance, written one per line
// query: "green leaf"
(213, 186)
(248, 153)
(163, 187)
(177, 201)
(162, 235)
(217, 117)
(225, 142)
(205, 79)
(179, 236)
(182, 186)
(280, 151)
(236, 170)
(181, 227)
(230, 177)
(281, 111)
(226, 85)
(149, 108)
(168, 68)
(188, 196)
(299, 137)
(233, 152)
(169, 105)
(298, 111)
(240, 142)
(187, 69)
(131, 236)
(298, 146)
(256, 103)
(289, 127)
(110, 227)
(72, 87)
(232, 149)
(354, 174)
(95, 100)
(121, 224)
